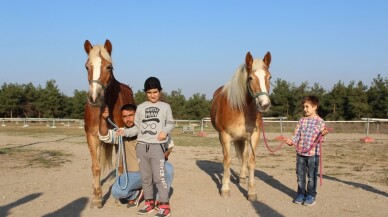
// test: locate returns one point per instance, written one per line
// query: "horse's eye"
(110, 68)
(250, 78)
(87, 68)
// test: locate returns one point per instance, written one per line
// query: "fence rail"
(50, 122)
(272, 124)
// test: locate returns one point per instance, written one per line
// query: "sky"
(195, 45)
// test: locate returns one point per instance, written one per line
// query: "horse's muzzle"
(263, 103)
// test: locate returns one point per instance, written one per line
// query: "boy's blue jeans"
(307, 165)
(134, 183)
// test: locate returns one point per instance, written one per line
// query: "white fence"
(49, 122)
(205, 122)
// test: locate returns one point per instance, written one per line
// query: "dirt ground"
(355, 181)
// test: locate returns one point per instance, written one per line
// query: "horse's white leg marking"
(226, 140)
(253, 142)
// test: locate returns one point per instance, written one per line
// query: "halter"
(255, 95)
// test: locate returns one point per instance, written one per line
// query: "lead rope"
(120, 152)
(317, 141)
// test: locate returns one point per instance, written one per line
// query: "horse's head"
(258, 77)
(100, 70)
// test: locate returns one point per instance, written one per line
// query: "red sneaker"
(164, 210)
(147, 208)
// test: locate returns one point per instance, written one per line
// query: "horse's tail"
(106, 156)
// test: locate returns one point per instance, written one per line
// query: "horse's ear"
(267, 59)
(108, 46)
(249, 60)
(88, 47)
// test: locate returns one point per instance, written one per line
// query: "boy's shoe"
(164, 210)
(147, 208)
(310, 200)
(299, 199)
(136, 201)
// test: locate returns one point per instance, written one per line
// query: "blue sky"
(194, 45)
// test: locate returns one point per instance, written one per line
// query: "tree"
(11, 98)
(50, 101)
(356, 102)
(140, 96)
(281, 97)
(335, 101)
(77, 104)
(197, 107)
(378, 97)
(177, 102)
(30, 96)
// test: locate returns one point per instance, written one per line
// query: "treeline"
(342, 102)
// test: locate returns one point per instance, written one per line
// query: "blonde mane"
(236, 88)
(97, 50)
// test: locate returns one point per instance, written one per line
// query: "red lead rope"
(317, 141)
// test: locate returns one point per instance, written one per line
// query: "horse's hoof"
(243, 180)
(252, 197)
(96, 204)
(225, 193)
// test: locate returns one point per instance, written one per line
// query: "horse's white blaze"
(264, 99)
(96, 75)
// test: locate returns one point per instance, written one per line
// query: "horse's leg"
(242, 152)
(226, 140)
(252, 144)
(94, 148)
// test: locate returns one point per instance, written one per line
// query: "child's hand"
(162, 136)
(120, 132)
(324, 132)
(289, 142)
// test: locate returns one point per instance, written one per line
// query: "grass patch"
(34, 158)
(49, 159)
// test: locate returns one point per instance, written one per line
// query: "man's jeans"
(309, 165)
(130, 191)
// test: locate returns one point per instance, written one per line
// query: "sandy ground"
(31, 190)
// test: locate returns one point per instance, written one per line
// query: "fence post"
(281, 137)
(53, 126)
(367, 139)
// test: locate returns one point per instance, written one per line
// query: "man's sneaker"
(136, 201)
(310, 200)
(147, 208)
(164, 210)
(299, 199)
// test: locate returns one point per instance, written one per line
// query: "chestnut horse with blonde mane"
(104, 90)
(236, 114)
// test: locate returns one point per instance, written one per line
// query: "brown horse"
(236, 115)
(104, 90)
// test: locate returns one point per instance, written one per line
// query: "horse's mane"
(99, 49)
(236, 88)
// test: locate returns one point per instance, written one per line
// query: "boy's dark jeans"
(309, 165)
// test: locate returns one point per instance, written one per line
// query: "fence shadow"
(4, 210)
(215, 171)
(357, 185)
